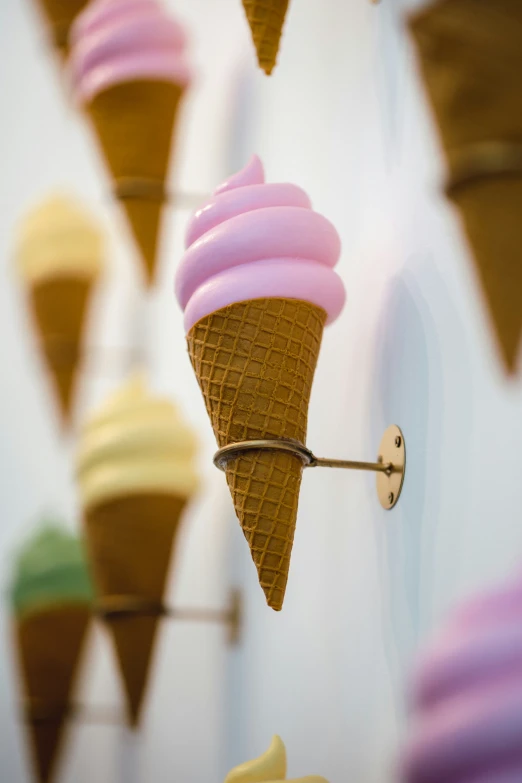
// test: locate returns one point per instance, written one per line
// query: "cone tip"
(267, 67)
(274, 598)
(134, 715)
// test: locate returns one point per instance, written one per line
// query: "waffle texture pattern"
(266, 19)
(255, 363)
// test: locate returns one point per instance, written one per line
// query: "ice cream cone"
(59, 306)
(469, 54)
(60, 15)
(266, 19)
(134, 123)
(50, 642)
(59, 258)
(136, 471)
(130, 541)
(257, 286)
(255, 364)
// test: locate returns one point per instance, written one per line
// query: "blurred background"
(344, 117)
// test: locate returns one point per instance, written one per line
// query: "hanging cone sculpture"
(266, 19)
(129, 72)
(470, 53)
(254, 329)
(60, 15)
(136, 473)
(60, 255)
(52, 607)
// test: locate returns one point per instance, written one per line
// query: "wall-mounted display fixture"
(257, 287)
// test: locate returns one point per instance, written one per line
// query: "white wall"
(344, 117)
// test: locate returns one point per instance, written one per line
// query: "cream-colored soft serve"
(59, 237)
(134, 443)
(268, 768)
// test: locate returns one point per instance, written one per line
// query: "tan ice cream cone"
(255, 363)
(60, 15)
(50, 643)
(59, 306)
(470, 55)
(129, 540)
(266, 19)
(134, 122)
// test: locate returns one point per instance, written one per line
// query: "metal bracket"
(390, 466)
(118, 607)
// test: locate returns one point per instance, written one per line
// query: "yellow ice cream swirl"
(268, 768)
(135, 443)
(59, 237)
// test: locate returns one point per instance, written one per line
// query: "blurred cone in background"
(60, 255)
(266, 19)
(60, 15)
(135, 473)
(51, 601)
(471, 57)
(129, 71)
(465, 694)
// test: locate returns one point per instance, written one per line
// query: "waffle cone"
(134, 123)
(50, 643)
(255, 363)
(60, 15)
(130, 540)
(59, 308)
(469, 54)
(266, 19)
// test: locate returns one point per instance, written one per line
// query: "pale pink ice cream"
(114, 41)
(468, 697)
(254, 240)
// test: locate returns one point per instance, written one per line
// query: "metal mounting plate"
(392, 450)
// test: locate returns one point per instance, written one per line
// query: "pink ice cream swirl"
(468, 697)
(116, 41)
(253, 241)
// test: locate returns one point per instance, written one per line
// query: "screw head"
(398, 441)
(391, 497)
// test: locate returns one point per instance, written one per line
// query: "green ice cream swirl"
(50, 569)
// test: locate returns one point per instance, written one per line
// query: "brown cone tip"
(50, 643)
(130, 540)
(60, 15)
(266, 19)
(255, 363)
(265, 491)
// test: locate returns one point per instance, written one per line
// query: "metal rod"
(375, 467)
(201, 615)
(97, 714)
(34, 712)
(118, 607)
